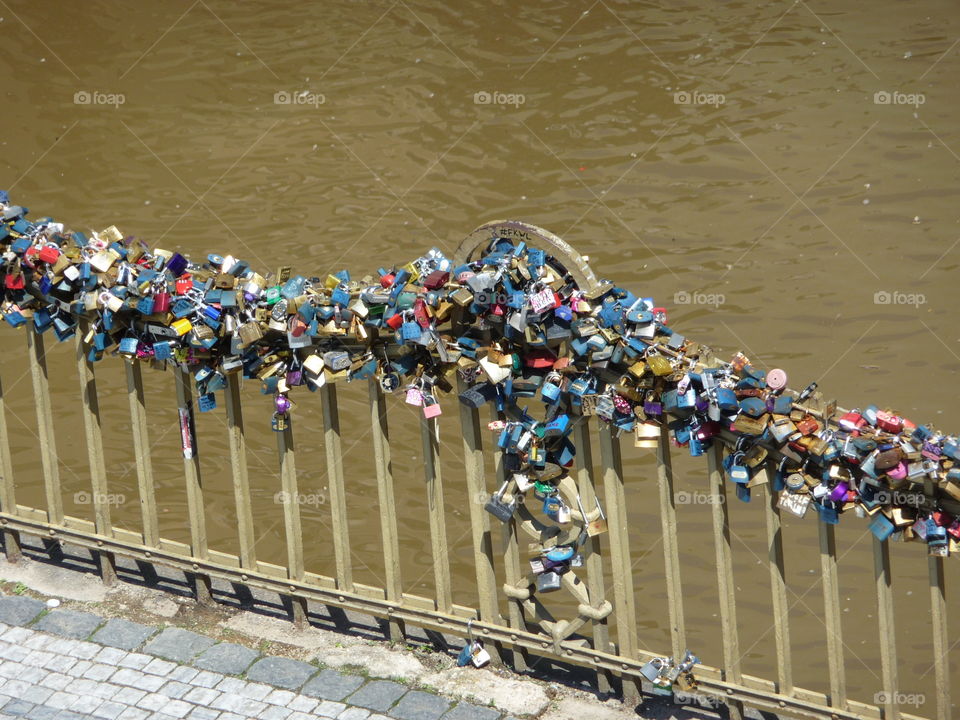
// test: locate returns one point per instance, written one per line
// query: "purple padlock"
(839, 493)
(652, 408)
(294, 377)
(283, 404)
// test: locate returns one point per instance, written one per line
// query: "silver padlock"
(548, 582)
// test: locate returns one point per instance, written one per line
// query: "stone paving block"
(255, 691)
(178, 644)
(42, 712)
(132, 713)
(81, 649)
(206, 679)
(109, 711)
(354, 713)
(69, 623)
(60, 663)
(329, 709)
(183, 674)
(174, 690)
(159, 667)
(123, 634)
(18, 610)
(136, 661)
(128, 696)
(466, 711)
(202, 713)
(274, 712)
(332, 685)
(201, 696)
(418, 705)
(56, 681)
(70, 715)
(36, 694)
(378, 695)
(100, 672)
(303, 704)
(281, 672)
(226, 658)
(15, 688)
(17, 707)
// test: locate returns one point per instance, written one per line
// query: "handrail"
(38, 298)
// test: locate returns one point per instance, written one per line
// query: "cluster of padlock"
(665, 672)
(515, 326)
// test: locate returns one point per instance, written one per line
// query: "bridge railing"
(603, 635)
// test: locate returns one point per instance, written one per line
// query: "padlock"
(651, 670)
(498, 508)
(549, 581)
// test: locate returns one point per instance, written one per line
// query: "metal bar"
(728, 602)
(338, 498)
(778, 588)
(48, 446)
(141, 451)
(888, 633)
(388, 505)
(511, 564)
(623, 595)
(8, 497)
(671, 549)
(241, 480)
(754, 691)
(429, 434)
(291, 518)
(94, 437)
(831, 614)
(587, 487)
(938, 619)
(192, 477)
(479, 519)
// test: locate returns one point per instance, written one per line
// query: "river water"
(782, 176)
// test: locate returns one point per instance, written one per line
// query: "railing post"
(479, 519)
(8, 499)
(48, 445)
(511, 564)
(191, 468)
(98, 470)
(388, 505)
(728, 602)
(291, 519)
(778, 588)
(141, 451)
(241, 480)
(587, 487)
(623, 594)
(938, 618)
(831, 613)
(671, 550)
(338, 499)
(429, 434)
(888, 639)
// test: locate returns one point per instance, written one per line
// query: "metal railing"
(508, 616)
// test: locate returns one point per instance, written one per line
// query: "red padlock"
(394, 321)
(49, 254)
(14, 282)
(184, 284)
(161, 302)
(889, 422)
(851, 421)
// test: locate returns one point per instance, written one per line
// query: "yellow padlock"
(182, 326)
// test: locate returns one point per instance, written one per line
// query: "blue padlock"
(881, 527)
(550, 393)
(163, 351)
(207, 402)
(128, 346)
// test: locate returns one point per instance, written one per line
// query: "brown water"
(785, 212)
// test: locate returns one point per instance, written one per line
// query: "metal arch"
(481, 239)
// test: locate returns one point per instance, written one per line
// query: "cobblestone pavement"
(71, 665)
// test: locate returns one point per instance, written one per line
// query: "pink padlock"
(899, 472)
(431, 411)
(414, 397)
(776, 379)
